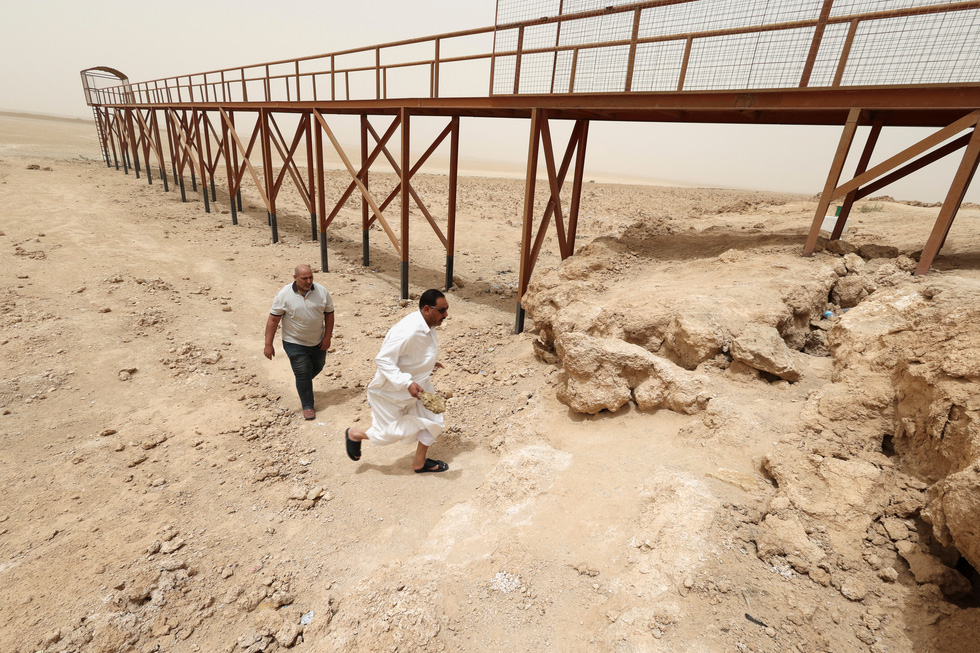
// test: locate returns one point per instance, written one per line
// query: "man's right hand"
(415, 389)
(270, 351)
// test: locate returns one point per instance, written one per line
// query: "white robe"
(408, 355)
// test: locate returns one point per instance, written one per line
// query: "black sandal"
(432, 466)
(353, 448)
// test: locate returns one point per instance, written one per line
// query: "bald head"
(303, 276)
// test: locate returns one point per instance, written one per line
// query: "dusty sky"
(45, 43)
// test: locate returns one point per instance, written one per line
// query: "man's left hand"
(325, 344)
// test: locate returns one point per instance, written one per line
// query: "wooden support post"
(961, 181)
(912, 166)
(170, 146)
(862, 166)
(210, 159)
(190, 136)
(111, 130)
(365, 209)
(123, 141)
(554, 184)
(847, 137)
(155, 127)
(528, 220)
(310, 171)
(181, 155)
(321, 198)
(132, 142)
(554, 201)
(234, 163)
(200, 161)
(406, 165)
(145, 140)
(583, 126)
(355, 175)
(267, 176)
(229, 171)
(453, 178)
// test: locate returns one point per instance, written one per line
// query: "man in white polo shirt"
(306, 312)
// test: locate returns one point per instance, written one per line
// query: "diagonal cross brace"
(245, 161)
(289, 164)
(353, 173)
(415, 168)
(364, 168)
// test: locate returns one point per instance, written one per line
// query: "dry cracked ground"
(703, 441)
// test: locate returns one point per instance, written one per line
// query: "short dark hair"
(429, 297)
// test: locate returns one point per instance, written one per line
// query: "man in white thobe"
(405, 364)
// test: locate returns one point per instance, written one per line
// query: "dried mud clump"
(605, 373)
(433, 401)
(761, 348)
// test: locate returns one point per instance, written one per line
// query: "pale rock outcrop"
(857, 341)
(561, 307)
(761, 347)
(673, 316)
(694, 339)
(911, 355)
(605, 373)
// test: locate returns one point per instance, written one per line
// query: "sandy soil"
(163, 493)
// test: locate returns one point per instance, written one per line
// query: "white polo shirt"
(302, 316)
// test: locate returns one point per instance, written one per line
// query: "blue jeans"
(306, 363)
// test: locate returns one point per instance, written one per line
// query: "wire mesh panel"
(753, 60)
(601, 70)
(853, 7)
(931, 50)
(654, 70)
(513, 11)
(604, 46)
